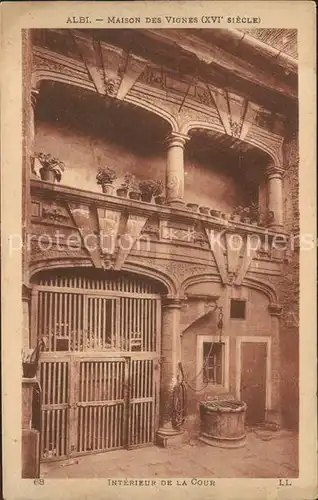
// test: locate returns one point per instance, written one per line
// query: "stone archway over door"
(99, 372)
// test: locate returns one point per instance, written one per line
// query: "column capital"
(272, 171)
(171, 302)
(26, 293)
(176, 139)
(34, 96)
(274, 309)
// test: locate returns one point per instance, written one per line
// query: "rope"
(179, 392)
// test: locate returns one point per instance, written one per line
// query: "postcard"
(158, 250)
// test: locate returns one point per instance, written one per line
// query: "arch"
(191, 125)
(136, 270)
(198, 279)
(164, 279)
(262, 286)
(49, 75)
(155, 110)
(58, 264)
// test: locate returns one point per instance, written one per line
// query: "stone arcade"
(216, 122)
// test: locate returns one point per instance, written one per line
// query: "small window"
(213, 362)
(237, 309)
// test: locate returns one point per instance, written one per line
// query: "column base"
(273, 420)
(167, 436)
(176, 203)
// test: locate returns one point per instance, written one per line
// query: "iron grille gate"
(99, 373)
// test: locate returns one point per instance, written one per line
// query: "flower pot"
(122, 192)
(193, 206)
(159, 200)
(254, 223)
(107, 188)
(29, 370)
(146, 197)
(215, 213)
(204, 210)
(246, 220)
(47, 175)
(235, 218)
(134, 195)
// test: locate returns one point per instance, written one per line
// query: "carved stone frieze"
(54, 213)
(43, 252)
(51, 64)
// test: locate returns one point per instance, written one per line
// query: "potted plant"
(193, 206)
(51, 167)
(237, 214)
(254, 213)
(159, 198)
(215, 213)
(132, 186)
(150, 188)
(105, 177)
(122, 191)
(204, 210)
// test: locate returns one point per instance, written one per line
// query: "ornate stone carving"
(236, 128)
(53, 213)
(58, 67)
(111, 86)
(53, 252)
(108, 262)
(87, 227)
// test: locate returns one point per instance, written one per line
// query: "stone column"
(170, 356)
(273, 414)
(29, 100)
(175, 168)
(275, 196)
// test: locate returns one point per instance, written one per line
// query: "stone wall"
(289, 294)
(258, 323)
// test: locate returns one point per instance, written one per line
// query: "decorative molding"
(87, 227)
(133, 228)
(108, 221)
(26, 293)
(50, 61)
(133, 69)
(54, 213)
(217, 253)
(275, 309)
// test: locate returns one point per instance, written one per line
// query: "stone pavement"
(266, 455)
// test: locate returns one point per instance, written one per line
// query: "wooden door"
(253, 380)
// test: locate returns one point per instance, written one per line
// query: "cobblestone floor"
(266, 455)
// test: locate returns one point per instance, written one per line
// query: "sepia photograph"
(158, 270)
(161, 311)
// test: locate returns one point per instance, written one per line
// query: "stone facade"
(192, 254)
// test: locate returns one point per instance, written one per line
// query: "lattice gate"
(99, 371)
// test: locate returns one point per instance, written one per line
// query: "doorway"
(99, 371)
(254, 378)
